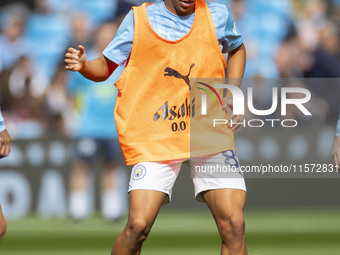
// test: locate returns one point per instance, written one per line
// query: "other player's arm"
(5, 145)
(236, 64)
(97, 70)
(4, 151)
(3, 225)
(335, 153)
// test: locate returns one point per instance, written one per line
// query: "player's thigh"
(225, 200)
(150, 187)
(144, 206)
(226, 205)
(222, 188)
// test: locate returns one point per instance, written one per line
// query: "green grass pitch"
(280, 232)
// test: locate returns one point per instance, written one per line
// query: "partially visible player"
(4, 152)
(96, 138)
(335, 153)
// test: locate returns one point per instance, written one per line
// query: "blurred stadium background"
(286, 40)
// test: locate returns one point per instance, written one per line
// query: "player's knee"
(232, 228)
(3, 226)
(139, 230)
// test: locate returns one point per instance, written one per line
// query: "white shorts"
(217, 171)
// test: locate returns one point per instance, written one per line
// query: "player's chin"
(185, 7)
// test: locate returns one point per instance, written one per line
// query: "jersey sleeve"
(119, 49)
(227, 32)
(2, 123)
(228, 35)
(232, 35)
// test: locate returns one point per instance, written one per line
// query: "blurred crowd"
(284, 39)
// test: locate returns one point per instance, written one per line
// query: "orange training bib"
(154, 106)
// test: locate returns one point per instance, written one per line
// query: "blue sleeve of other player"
(338, 127)
(2, 123)
(226, 30)
(119, 49)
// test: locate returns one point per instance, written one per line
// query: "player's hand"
(5, 144)
(75, 59)
(335, 153)
(234, 120)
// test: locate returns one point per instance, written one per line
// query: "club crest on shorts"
(139, 172)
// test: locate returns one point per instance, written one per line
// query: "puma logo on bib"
(172, 72)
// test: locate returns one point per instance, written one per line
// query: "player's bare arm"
(335, 153)
(97, 70)
(3, 225)
(5, 146)
(5, 149)
(235, 70)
